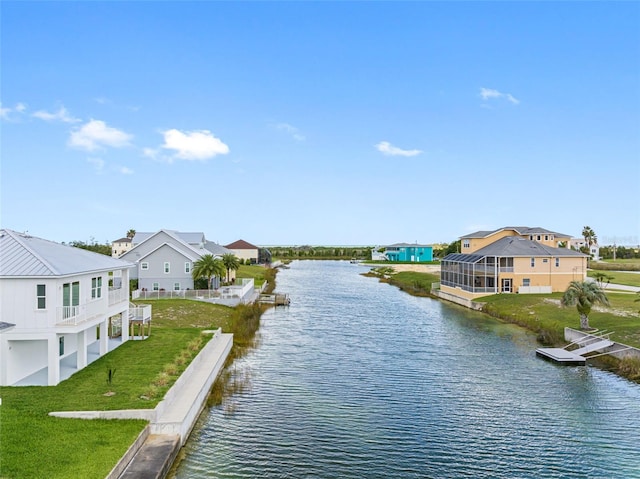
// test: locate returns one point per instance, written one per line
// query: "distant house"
(164, 259)
(67, 307)
(120, 247)
(245, 251)
(578, 243)
(415, 253)
(511, 259)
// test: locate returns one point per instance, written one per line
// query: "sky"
(319, 123)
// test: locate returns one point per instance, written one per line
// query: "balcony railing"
(140, 313)
(73, 315)
(118, 295)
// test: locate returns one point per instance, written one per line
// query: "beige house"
(245, 251)
(511, 260)
(120, 247)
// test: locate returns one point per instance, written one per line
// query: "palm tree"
(208, 267)
(584, 294)
(589, 236)
(131, 233)
(231, 262)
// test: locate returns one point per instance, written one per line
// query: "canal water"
(356, 379)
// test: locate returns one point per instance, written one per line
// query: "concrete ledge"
(145, 414)
(124, 461)
(154, 459)
(467, 303)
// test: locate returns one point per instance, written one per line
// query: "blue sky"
(336, 123)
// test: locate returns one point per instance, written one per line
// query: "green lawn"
(618, 277)
(34, 445)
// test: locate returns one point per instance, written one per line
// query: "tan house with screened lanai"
(511, 260)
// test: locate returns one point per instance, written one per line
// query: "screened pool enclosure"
(475, 273)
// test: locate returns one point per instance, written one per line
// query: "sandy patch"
(418, 268)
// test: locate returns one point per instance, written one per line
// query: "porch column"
(81, 354)
(124, 321)
(4, 357)
(53, 359)
(104, 337)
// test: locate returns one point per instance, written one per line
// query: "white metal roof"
(22, 255)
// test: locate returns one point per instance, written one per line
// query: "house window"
(187, 267)
(545, 260)
(176, 286)
(96, 287)
(533, 262)
(531, 237)
(156, 286)
(557, 262)
(526, 282)
(538, 237)
(144, 266)
(546, 237)
(166, 267)
(61, 345)
(466, 244)
(41, 295)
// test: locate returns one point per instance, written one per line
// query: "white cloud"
(193, 145)
(125, 171)
(388, 149)
(290, 129)
(61, 115)
(95, 134)
(6, 112)
(489, 94)
(98, 163)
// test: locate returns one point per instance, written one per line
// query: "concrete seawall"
(172, 420)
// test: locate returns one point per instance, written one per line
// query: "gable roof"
(187, 253)
(22, 255)
(241, 244)
(517, 246)
(189, 238)
(521, 230)
(173, 235)
(122, 240)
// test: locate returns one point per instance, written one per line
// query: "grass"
(618, 277)
(256, 272)
(35, 445)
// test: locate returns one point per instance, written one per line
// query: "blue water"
(358, 380)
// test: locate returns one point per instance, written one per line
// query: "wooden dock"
(278, 299)
(576, 357)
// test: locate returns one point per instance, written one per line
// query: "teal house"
(414, 253)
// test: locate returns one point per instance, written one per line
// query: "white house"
(64, 308)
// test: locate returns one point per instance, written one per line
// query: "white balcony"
(117, 296)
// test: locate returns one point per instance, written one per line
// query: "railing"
(182, 293)
(140, 313)
(73, 315)
(118, 295)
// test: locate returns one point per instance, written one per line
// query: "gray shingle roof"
(517, 246)
(22, 255)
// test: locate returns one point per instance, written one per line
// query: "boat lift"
(592, 342)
